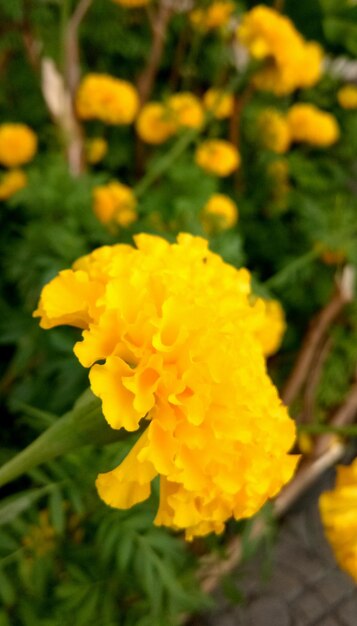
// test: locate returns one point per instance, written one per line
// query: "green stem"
(284, 274)
(316, 429)
(163, 164)
(81, 426)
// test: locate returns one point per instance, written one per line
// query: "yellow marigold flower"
(186, 110)
(289, 62)
(215, 16)
(154, 124)
(41, 538)
(271, 325)
(219, 103)
(11, 182)
(347, 96)
(114, 203)
(169, 335)
(218, 156)
(309, 124)
(96, 149)
(18, 144)
(105, 98)
(338, 509)
(274, 131)
(219, 213)
(132, 4)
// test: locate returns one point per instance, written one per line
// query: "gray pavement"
(305, 587)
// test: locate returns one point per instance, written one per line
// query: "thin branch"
(160, 24)
(313, 381)
(72, 54)
(317, 331)
(345, 415)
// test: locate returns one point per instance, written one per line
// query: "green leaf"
(13, 506)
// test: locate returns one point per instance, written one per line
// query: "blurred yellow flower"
(338, 509)
(219, 103)
(96, 149)
(219, 213)
(278, 172)
(271, 326)
(18, 144)
(105, 98)
(186, 110)
(274, 131)
(11, 182)
(309, 124)
(347, 96)
(169, 335)
(114, 203)
(214, 16)
(41, 538)
(218, 157)
(154, 124)
(289, 62)
(132, 4)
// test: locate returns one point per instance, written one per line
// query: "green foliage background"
(64, 556)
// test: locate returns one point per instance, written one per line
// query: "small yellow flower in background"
(18, 144)
(41, 538)
(338, 510)
(347, 96)
(115, 203)
(215, 16)
(272, 325)
(308, 124)
(305, 443)
(154, 124)
(274, 131)
(330, 255)
(169, 333)
(105, 98)
(278, 172)
(96, 149)
(290, 61)
(132, 4)
(186, 110)
(218, 157)
(219, 213)
(11, 182)
(219, 103)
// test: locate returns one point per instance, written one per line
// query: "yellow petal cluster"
(289, 62)
(215, 16)
(338, 510)
(169, 335)
(18, 144)
(274, 131)
(186, 110)
(271, 326)
(309, 124)
(11, 182)
(347, 96)
(219, 103)
(219, 213)
(96, 149)
(132, 4)
(105, 98)
(218, 157)
(154, 124)
(114, 203)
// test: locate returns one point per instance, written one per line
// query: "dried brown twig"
(159, 25)
(316, 333)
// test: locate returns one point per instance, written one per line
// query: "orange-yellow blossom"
(169, 332)
(18, 144)
(114, 203)
(105, 98)
(11, 182)
(218, 157)
(309, 124)
(288, 61)
(338, 509)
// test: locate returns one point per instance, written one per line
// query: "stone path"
(305, 586)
